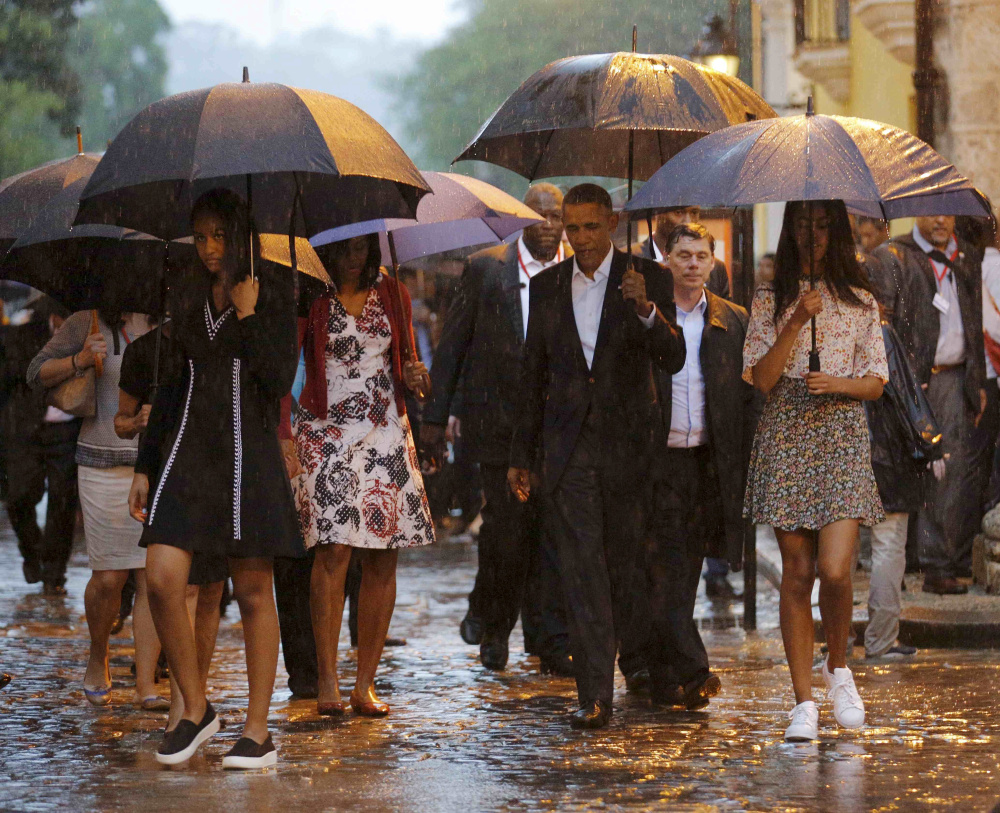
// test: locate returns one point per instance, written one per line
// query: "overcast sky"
(258, 19)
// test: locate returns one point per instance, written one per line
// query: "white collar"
(657, 254)
(928, 247)
(603, 270)
(701, 305)
(526, 257)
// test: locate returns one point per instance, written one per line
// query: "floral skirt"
(811, 462)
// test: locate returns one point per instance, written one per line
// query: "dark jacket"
(557, 389)
(730, 414)
(478, 358)
(718, 280)
(906, 286)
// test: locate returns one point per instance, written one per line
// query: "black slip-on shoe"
(248, 755)
(591, 716)
(697, 692)
(471, 630)
(181, 743)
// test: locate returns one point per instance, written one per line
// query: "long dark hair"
(232, 210)
(842, 271)
(331, 252)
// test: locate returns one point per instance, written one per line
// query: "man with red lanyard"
(478, 364)
(931, 284)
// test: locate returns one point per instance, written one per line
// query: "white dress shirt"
(588, 302)
(687, 412)
(528, 267)
(951, 338)
(991, 301)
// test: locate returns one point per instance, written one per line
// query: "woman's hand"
(809, 305)
(823, 384)
(137, 497)
(244, 296)
(93, 348)
(417, 379)
(291, 457)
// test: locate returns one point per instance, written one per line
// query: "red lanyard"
(520, 260)
(944, 268)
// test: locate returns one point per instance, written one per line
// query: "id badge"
(941, 303)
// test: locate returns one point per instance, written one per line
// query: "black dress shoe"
(591, 715)
(718, 587)
(697, 692)
(944, 586)
(53, 589)
(493, 654)
(558, 665)
(303, 690)
(32, 571)
(5, 679)
(667, 696)
(637, 682)
(471, 630)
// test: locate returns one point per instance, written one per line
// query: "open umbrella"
(874, 168)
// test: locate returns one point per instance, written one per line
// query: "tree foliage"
(458, 84)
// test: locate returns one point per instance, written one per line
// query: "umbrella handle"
(407, 352)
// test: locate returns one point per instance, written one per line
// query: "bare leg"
(102, 598)
(206, 626)
(253, 588)
(798, 572)
(147, 644)
(837, 542)
(167, 570)
(326, 603)
(176, 698)
(375, 606)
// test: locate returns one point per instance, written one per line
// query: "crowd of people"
(626, 419)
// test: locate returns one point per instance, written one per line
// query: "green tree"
(456, 85)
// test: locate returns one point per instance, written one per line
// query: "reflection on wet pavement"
(460, 738)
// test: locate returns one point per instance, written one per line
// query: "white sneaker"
(848, 709)
(804, 723)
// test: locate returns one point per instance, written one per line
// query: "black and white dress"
(222, 486)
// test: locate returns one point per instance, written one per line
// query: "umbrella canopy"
(76, 265)
(274, 144)
(461, 212)
(876, 169)
(574, 116)
(23, 196)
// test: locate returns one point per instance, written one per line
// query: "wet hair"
(232, 210)
(588, 193)
(980, 232)
(862, 220)
(842, 271)
(692, 231)
(331, 252)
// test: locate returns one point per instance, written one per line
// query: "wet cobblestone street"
(462, 739)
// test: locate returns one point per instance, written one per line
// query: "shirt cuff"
(648, 321)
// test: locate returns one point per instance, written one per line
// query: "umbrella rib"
(541, 155)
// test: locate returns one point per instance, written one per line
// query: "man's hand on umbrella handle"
(432, 447)
(634, 289)
(137, 496)
(809, 305)
(519, 481)
(291, 458)
(244, 296)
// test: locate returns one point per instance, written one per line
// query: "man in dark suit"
(479, 360)
(931, 283)
(699, 470)
(588, 407)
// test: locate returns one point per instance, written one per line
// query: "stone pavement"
(462, 739)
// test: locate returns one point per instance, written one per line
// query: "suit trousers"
(298, 646)
(686, 516)
(597, 533)
(46, 460)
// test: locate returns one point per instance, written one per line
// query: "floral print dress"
(361, 484)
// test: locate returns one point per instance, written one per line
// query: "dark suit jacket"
(904, 277)
(557, 389)
(729, 406)
(718, 280)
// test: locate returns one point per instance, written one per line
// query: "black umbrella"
(875, 168)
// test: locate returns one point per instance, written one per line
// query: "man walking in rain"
(588, 408)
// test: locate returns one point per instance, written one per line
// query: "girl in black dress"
(222, 488)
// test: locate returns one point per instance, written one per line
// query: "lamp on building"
(716, 48)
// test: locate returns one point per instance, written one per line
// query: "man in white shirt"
(699, 470)
(588, 409)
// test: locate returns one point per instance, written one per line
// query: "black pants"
(686, 519)
(596, 532)
(291, 587)
(47, 459)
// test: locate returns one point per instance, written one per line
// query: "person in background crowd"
(587, 410)
(104, 471)
(39, 445)
(930, 282)
(654, 246)
(765, 270)
(479, 361)
(869, 233)
(810, 469)
(699, 470)
(222, 491)
(352, 460)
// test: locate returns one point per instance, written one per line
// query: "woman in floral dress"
(810, 468)
(354, 466)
